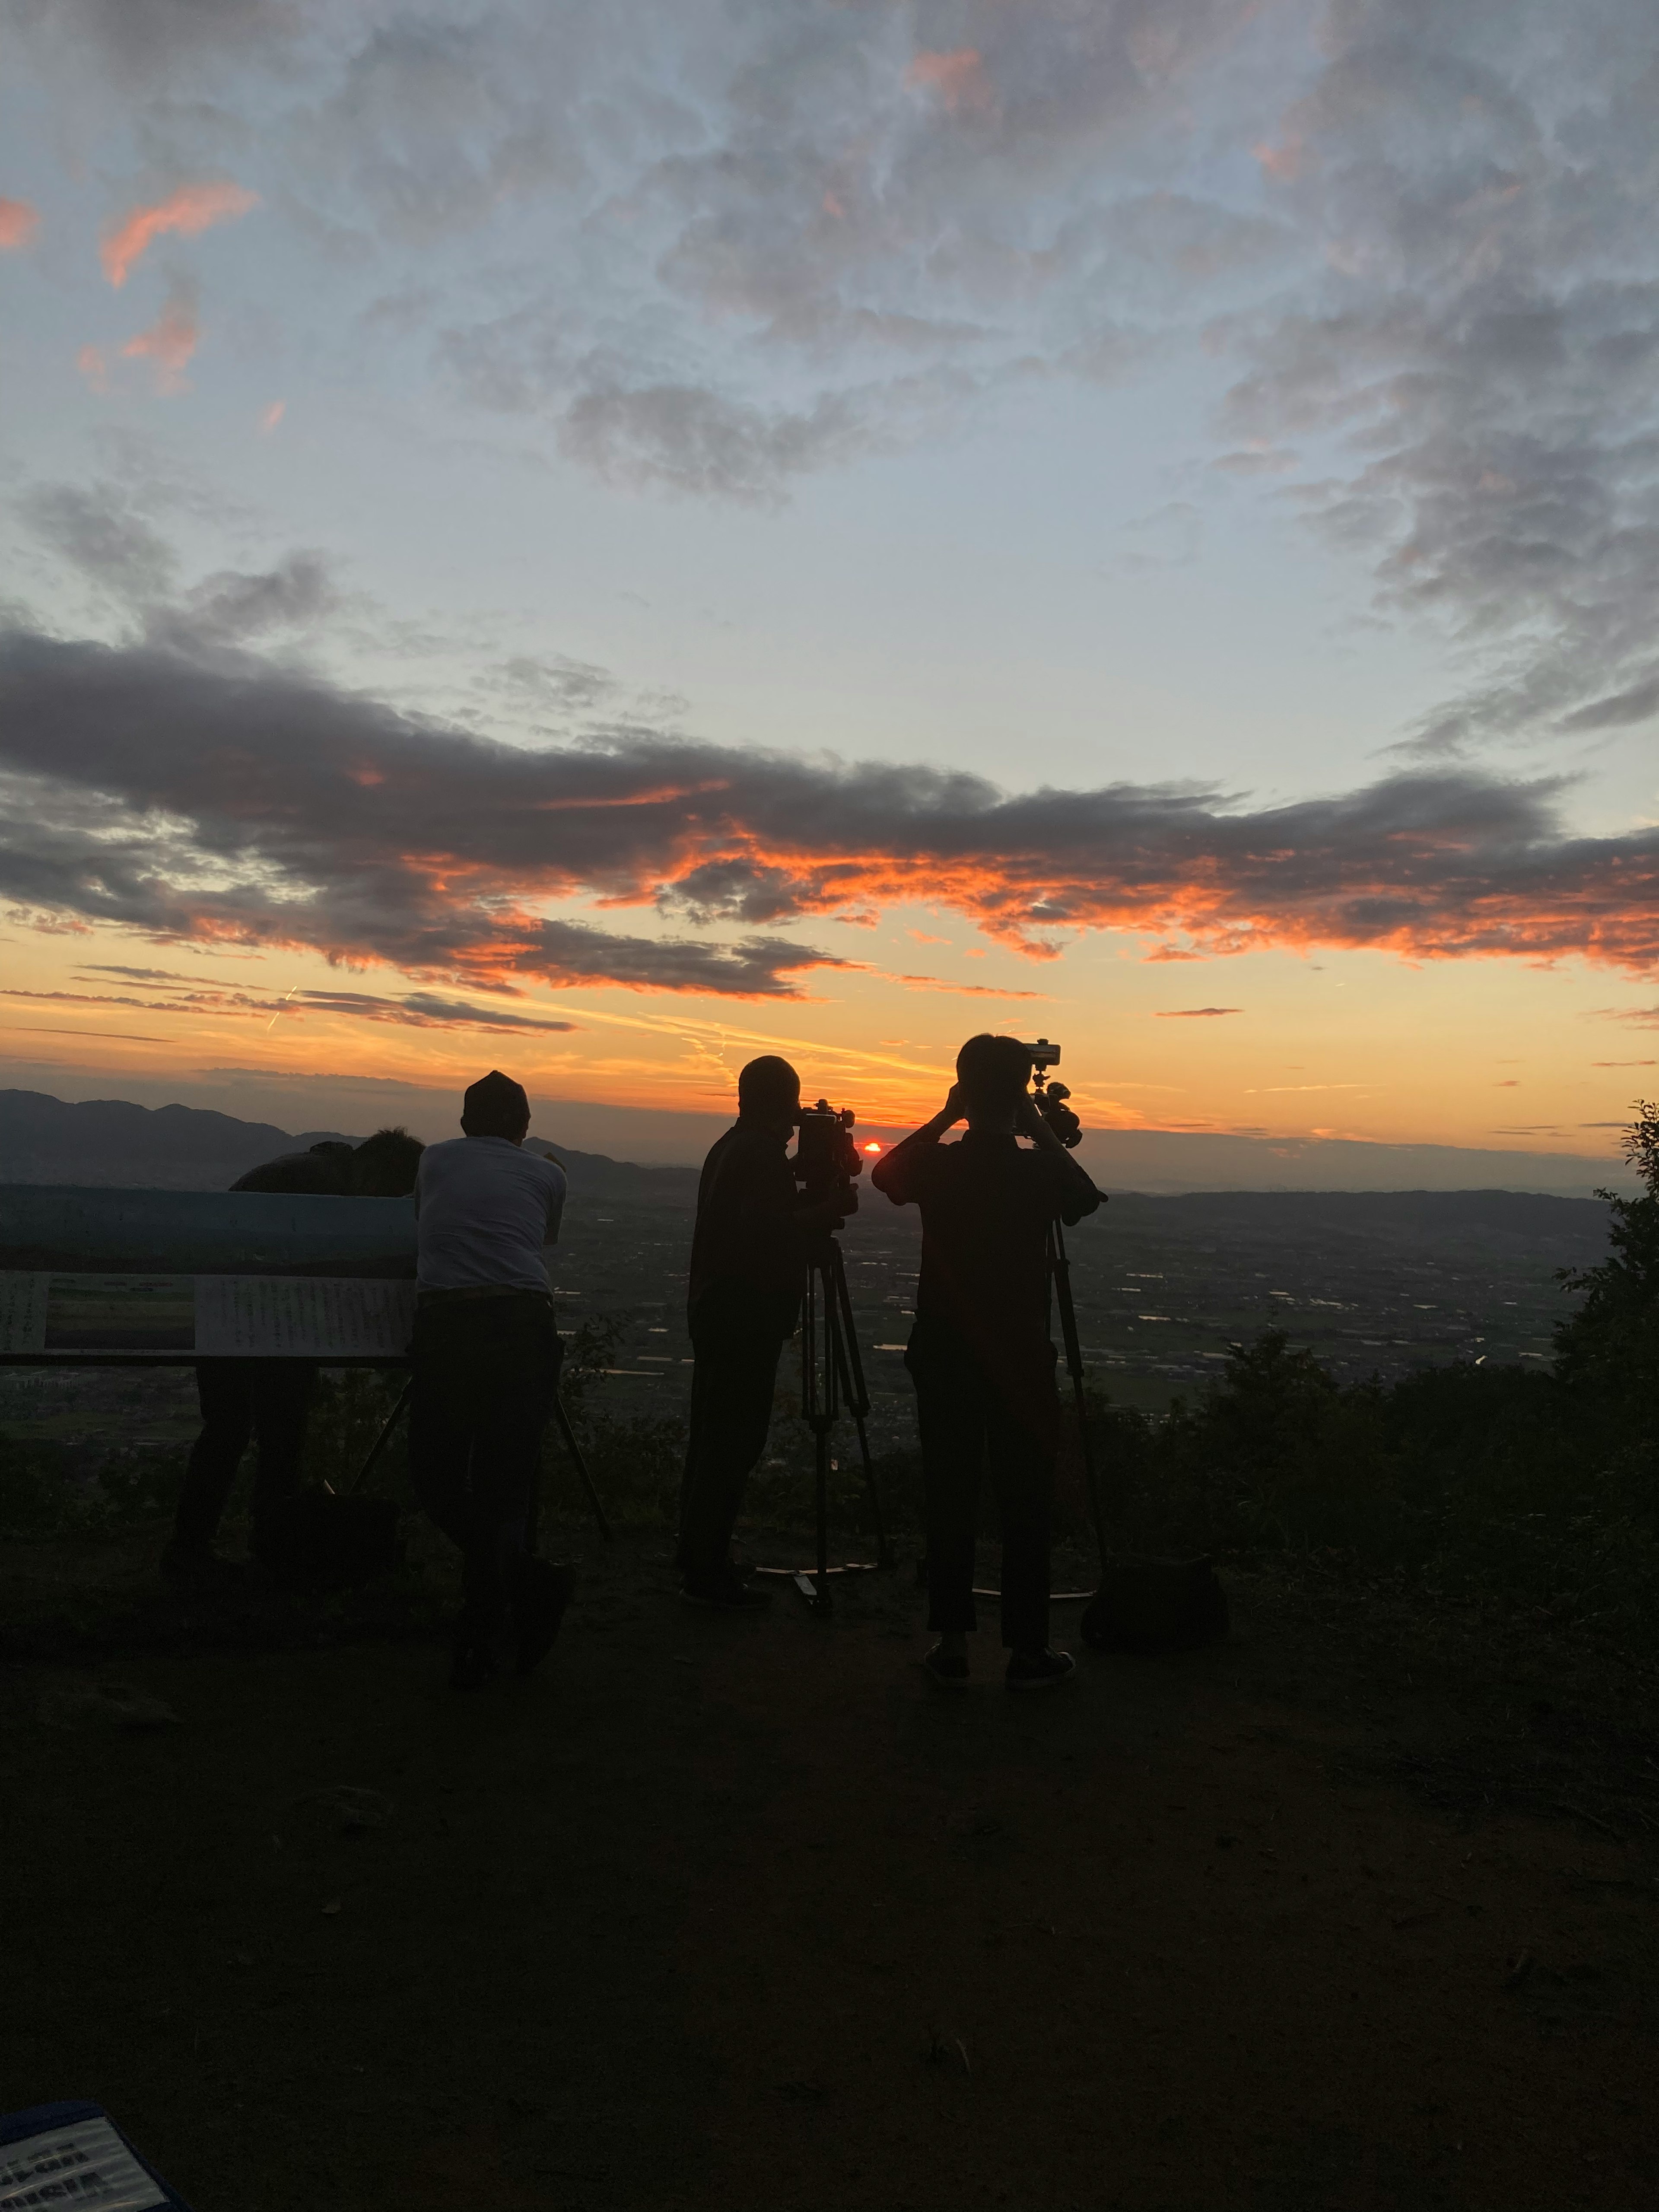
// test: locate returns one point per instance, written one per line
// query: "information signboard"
(47, 1316)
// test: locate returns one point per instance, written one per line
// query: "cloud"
(99, 532)
(963, 990)
(94, 365)
(422, 1010)
(1475, 354)
(187, 212)
(417, 1009)
(141, 42)
(19, 222)
(1201, 1013)
(169, 342)
(271, 416)
(957, 78)
(193, 790)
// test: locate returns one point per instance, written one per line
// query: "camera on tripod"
(826, 1158)
(1049, 1098)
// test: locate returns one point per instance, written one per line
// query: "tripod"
(832, 1376)
(570, 1445)
(1059, 1275)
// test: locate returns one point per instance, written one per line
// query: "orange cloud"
(958, 78)
(189, 212)
(168, 343)
(18, 223)
(1282, 163)
(93, 366)
(271, 416)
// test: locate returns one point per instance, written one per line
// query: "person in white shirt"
(486, 1355)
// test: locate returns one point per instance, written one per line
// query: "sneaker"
(542, 1593)
(727, 1593)
(1040, 1670)
(947, 1669)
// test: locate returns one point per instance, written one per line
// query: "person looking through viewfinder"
(486, 1355)
(749, 1253)
(979, 1354)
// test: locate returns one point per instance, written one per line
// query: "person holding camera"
(486, 1356)
(979, 1354)
(748, 1252)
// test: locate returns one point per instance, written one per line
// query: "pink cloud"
(18, 223)
(189, 212)
(1282, 163)
(168, 343)
(271, 416)
(93, 366)
(958, 78)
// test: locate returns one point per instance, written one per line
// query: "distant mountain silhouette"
(112, 1144)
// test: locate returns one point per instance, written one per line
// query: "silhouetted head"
(495, 1106)
(384, 1165)
(992, 1073)
(768, 1090)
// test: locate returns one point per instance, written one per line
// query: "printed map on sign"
(302, 1317)
(204, 1317)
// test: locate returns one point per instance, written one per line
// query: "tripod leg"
(1059, 1269)
(383, 1439)
(859, 1400)
(823, 1603)
(575, 1451)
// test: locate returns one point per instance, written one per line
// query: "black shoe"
(1040, 1670)
(727, 1593)
(539, 1602)
(199, 1566)
(950, 1672)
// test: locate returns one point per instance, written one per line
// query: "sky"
(605, 539)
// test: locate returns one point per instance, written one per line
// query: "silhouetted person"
(486, 1358)
(269, 1400)
(748, 1252)
(979, 1354)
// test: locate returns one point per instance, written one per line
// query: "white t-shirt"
(484, 1211)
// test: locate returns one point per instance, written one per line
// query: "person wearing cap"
(749, 1251)
(980, 1353)
(486, 1356)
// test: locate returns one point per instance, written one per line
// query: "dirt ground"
(748, 1914)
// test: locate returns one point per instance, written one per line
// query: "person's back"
(747, 1256)
(986, 1206)
(979, 1354)
(485, 1211)
(485, 1355)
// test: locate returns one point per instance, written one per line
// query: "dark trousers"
(268, 1400)
(486, 1372)
(732, 1386)
(968, 1423)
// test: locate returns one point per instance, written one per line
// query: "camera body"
(1049, 1098)
(825, 1154)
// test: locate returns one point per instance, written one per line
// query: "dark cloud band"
(222, 797)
